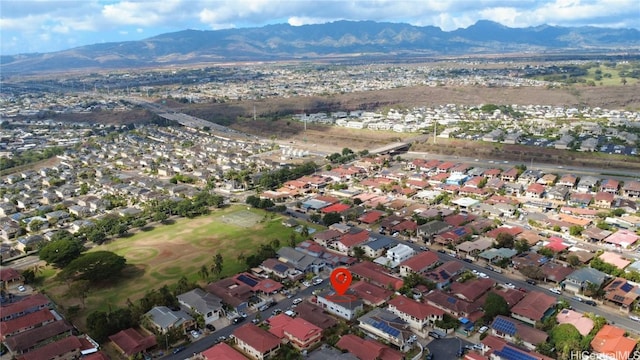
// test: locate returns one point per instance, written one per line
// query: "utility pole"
(434, 131)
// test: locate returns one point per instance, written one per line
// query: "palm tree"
(203, 272)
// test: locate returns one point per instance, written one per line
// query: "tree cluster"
(259, 203)
(274, 179)
(342, 158)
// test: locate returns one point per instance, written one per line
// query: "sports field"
(164, 254)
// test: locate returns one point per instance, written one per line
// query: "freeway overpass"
(391, 148)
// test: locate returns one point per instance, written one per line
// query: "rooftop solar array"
(626, 287)
(460, 231)
(509, 353)
(504, 326)
(247, 280)
(386, 328)
(618, 298)
(443, 274)
(280, 268)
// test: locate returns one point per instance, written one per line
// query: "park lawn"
(162, 255)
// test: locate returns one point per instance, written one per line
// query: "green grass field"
(162, 255)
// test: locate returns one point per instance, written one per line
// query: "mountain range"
(340, 39)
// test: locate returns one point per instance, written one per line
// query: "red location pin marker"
(341, 280)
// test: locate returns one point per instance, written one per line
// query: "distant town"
(180, 238)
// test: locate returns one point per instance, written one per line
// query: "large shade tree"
(94, 266)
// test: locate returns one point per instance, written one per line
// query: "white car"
(483, 330)
(317, 281)
(483, 275)
(297, 301)
(634, 318)
(195, 334)
(21, 288)
(306, 283)
(556, 291)
(510, 285)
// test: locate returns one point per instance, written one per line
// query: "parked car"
(590, 302)
(423, 248)
(21, 288)
(317, 281)
(297, 301)
(195, 334)
(483, 330)
(242, 314)
(531, 282)
(556, 291)
(306, 283)
(575, 298)
(210, 327)
(510, 285)
(178, 349)
(634, 318)
(238, 320)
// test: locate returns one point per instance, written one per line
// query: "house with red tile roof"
(371, 217)
(535, 307)
(23, 323)
(367, 349)
(535, 190)
(66, 348)
(497, 348)
(612, 344)
(511, 330)
(38, 336)
(556, 244)
(491, 173)
(472, 290)
(610, 186)
(445, 167)
(222, 351)
(419, 264)
(555, 271)
(375, 274)
(603, 200)
(255, 342)
(10, 278)
(315, 315)
(348, 241)
(443, 274)
(297, 331)
(621, 292)
(454, 306)
(130, 342)
(337, 208)
(418, 315)
(371, 294)
(509, 175)
(25, 306)
(326, 237)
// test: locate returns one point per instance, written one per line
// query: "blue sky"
(28, 26)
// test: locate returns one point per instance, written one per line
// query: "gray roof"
(328, 352)
(493, 253)
(298, 259)
(165, 318)
(587, 274)
(379, 243)
(383, 319)
(200, 301)
(433, 227)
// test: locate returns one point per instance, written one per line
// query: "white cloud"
(89, 21)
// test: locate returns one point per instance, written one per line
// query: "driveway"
(446, 348)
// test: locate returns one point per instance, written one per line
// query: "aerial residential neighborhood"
(353, 190)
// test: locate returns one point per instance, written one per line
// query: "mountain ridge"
(317, 41)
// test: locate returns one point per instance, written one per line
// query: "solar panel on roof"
(247, 280)
(618, 298)
(444, 274)
(626, 287)
(452, 300)
(504, 326)
(280, 268)
(509, 353)
(459, 231)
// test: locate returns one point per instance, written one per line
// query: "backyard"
(165, 253)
